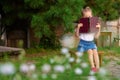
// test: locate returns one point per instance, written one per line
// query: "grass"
(59, 59)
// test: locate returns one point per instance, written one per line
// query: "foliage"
(45, 16)
(14, 10)
(51, 15)
(106, 9)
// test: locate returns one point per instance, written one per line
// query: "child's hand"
(80, 25)
(98, 25)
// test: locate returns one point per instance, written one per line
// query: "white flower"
(64, 50)
(53, 76)
(27, 67)
(92, 78)
(59, 68)
(79, 54)
(102, 72)
(32, 67)
(24, 68)
(7, 69)
(68, 41)
(78, 71)
(71, 59)
(46, 68)
(84, 65)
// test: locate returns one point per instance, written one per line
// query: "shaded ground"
(113, 66)
(35, 55)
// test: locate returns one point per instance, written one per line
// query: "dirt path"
(113, 66)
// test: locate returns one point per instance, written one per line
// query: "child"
(87, 41)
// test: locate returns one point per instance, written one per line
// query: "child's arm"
(98, 33)
(78, 28)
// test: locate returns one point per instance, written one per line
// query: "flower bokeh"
(58, 67)
(7, 68)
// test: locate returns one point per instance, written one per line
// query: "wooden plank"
(9, 49)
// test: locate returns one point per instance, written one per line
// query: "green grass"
(59, 59)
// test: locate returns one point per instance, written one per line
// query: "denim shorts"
(86, 45)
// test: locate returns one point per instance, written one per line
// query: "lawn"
(59, 64)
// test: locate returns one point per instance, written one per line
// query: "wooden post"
(100, 53)
(28, 37)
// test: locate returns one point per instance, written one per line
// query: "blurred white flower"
(79, 54)
(102, 72)
(24, 68)
(7, 69)
(32, 67)
(78, 71)
(59, 68)
(71, 59)
(68, 41)
(27, 67)
(46, 68)
(54, 76)
(92, 78)
(64, 50)
(84, 65)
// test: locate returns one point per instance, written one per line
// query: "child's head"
(86, 11)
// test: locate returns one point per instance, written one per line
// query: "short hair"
(86, 7)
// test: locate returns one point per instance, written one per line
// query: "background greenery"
(45, 16)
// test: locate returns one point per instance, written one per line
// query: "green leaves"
(34, 3)
(106, 9)
(47, 15)
(40, 26)
(54, 13)
(7, 8)
(57, 12)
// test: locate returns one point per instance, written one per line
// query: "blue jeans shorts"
(86, 45)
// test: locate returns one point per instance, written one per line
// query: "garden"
(59, 64)
(40, 36)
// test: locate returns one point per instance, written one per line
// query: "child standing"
(87, 41)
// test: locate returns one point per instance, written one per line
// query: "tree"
(13, 10)
(106, 9)
(53, 14)
(45, 16)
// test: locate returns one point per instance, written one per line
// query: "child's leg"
(91, 58)
(96, 58)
